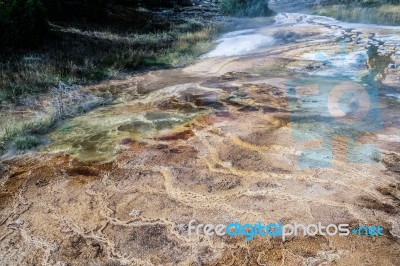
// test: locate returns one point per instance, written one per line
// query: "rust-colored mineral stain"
(182, 135)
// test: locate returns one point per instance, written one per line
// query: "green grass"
(24, 143)
(383, 14)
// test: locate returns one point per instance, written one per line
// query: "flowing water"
(296, 121)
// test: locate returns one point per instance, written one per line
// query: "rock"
(395, 230)
(382, 51)
(127, 141)
(396, 59)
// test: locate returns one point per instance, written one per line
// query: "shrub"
(247, 8)
(26, 143)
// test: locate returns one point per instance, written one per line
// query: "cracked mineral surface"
(213, 142)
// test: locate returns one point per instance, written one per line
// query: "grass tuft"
(27, 143)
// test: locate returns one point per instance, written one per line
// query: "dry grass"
(81, 54)
(14, 130)
(390, 13)
(63, 102)
(384, 14)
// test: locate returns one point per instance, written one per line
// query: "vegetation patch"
(246, 8)
(366, 11)
(47, 46)
(81, 47)
(13, 130)
(24, 143)
(67, 128)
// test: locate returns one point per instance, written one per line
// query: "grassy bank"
(61, 103)
(385, 14)
(41, 81)
(81, 52)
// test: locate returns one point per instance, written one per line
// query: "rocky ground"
(214, 142)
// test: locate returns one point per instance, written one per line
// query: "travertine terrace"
(210, 142)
